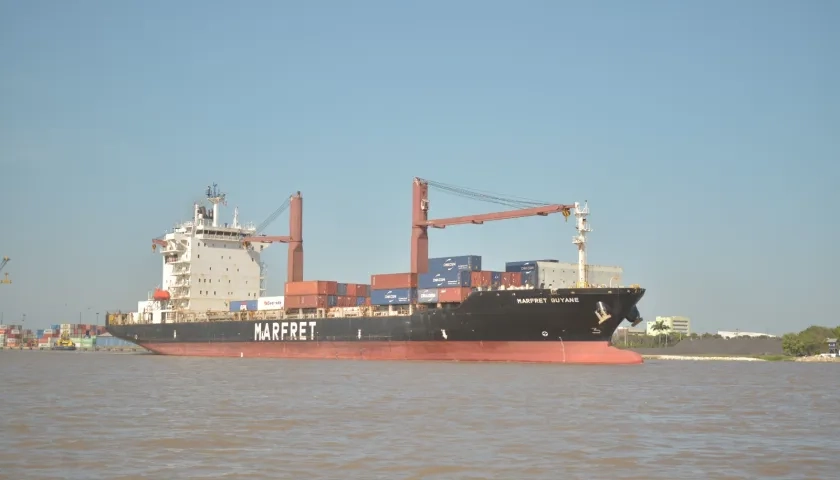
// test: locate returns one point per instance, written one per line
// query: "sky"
(704, 135)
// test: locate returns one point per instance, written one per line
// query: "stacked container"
(451, 279)
(393, 289)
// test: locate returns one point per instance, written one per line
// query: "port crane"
(5, 280)
(294, 239)
(523, 208)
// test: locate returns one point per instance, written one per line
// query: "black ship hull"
(565, 326)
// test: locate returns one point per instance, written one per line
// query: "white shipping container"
(565, 275)
(271, 303)
(48, 331)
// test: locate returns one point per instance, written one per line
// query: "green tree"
(793, 345)
(659, 328)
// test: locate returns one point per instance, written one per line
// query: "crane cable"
(274, 216)
(489, 197)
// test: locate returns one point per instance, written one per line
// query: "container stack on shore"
(83, 335)
(10, 335)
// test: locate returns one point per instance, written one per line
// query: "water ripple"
(73, 415)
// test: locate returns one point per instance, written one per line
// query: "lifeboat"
(160, 295)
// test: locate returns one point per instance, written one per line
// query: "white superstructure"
(206, 265)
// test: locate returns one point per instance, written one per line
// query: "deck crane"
(294, 239)
(5, 280)
(524, 208)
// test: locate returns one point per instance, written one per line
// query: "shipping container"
(332, 301)
(427, 295)
(524, 266)
(453, 295)
(48, 331)
(384, 281)
(463, 262)
(360, 301)
(529, 278)
(451, 278)
(485, 279)
(312, 287)
(306, 301)
(394, 296)
(56, 327)
(241, 305)
(39, 333)
(341, 289)
(357, 290)
(271, 303)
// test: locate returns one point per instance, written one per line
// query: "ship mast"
(215, 196)
(580, 240)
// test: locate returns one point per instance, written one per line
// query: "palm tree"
(660, 328)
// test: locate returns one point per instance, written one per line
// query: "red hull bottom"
(600, 353)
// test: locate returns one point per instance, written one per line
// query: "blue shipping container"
(524, 266)
(55, 328)
(394, 296)
(441, 279)
(496, 279)
(360, 301)
(241, 305)
(529, 278)
(332, 300)
(427, 295)
(341, 289)
(39, 334)
(463, 262)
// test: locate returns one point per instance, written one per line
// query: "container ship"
(212, 298)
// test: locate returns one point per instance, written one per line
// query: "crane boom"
(3, 263)
(420, 222)
(479, 219)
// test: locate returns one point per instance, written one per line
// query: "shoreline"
(703, 357)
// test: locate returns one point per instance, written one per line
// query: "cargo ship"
(212, 299)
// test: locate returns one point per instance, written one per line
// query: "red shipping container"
(352, 288)
(384, 281)
(481, 279)
(512, 279)
(306, 301)
(367, 301)
(453, 294)
(346, 301)
(313, 287)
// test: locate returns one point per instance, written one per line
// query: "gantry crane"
(526, 208)
(5, 280)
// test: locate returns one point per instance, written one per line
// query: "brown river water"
(74, 415)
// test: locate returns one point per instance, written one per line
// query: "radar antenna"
(215, 197)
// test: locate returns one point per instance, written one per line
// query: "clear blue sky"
(704, 135)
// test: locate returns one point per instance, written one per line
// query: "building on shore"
(675, 324)
(738, 333)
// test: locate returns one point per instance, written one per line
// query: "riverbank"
(704, 357)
